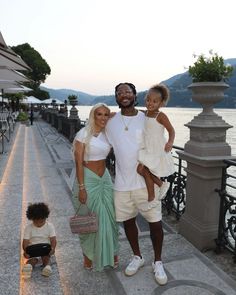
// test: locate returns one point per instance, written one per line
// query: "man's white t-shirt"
(126, 144)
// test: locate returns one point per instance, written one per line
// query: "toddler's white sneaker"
(47, 271)
(149, 205)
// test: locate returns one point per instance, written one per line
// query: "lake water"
(181, 116)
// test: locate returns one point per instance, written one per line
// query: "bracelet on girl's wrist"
(82, 188)
(81, 184)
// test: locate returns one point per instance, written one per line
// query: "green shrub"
(72, 97)
(22, 116)
(210, 69)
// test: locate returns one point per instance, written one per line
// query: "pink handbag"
(84, 224)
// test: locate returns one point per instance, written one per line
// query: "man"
(124, 132)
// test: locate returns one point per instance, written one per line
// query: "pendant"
(126, 128)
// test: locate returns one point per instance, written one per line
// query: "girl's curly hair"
(163, 90)
(37, 211)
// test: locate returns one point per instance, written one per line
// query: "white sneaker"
(163, 190)
(47, 271)
(27, 271)
(134, 265)
(149, 205)
(159, 273)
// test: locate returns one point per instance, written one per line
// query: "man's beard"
(132, 103)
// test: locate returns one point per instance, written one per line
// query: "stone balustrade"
(68, 126)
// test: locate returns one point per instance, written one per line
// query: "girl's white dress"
(152, 154)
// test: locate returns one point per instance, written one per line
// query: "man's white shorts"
(127, 206)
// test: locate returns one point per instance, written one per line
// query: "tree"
(15, 99)
(40, 69)
(39, 93)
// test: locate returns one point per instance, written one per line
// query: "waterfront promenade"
(38, 166)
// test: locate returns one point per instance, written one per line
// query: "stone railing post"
(73, 110)
(74, 126)
(54, 113)
(204, 153)
(49, 113)
(60, 121)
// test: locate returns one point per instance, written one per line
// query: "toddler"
(155, 160)
(39, 239)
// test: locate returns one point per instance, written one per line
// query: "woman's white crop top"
(99, 146)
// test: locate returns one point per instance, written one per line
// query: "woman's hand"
(82, 196)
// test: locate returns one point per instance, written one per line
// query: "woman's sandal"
(116, 261)
(88, 264)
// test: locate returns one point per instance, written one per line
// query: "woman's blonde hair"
(90, 125)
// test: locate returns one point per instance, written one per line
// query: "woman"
(95, 189)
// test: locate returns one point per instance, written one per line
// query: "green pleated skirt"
(100, 247)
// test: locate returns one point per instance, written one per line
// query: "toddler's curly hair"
(37, 211)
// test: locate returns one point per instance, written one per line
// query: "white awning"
(10, 59)
(49, 101)
(32, 99)
(10, 74)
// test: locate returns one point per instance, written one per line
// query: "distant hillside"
(231, 61)
(62, 94)
(171, 80)
(180, 96)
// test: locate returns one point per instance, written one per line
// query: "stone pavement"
(39, 167)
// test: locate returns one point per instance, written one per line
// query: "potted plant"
(23, 117)
(209, 75)
(73, 102)
(73, 99)
(210, 69)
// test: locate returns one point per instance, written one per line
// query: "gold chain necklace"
(126, 124)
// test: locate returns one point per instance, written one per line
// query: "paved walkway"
(39, 167)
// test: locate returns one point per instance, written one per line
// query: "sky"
(92, 45)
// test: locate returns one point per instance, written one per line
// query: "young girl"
(39, 239)
(154, 157)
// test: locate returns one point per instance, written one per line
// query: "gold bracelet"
(82, 184)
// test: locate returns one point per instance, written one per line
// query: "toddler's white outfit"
(152, 154)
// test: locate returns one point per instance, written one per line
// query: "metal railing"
(175, 199)
(227, 217)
